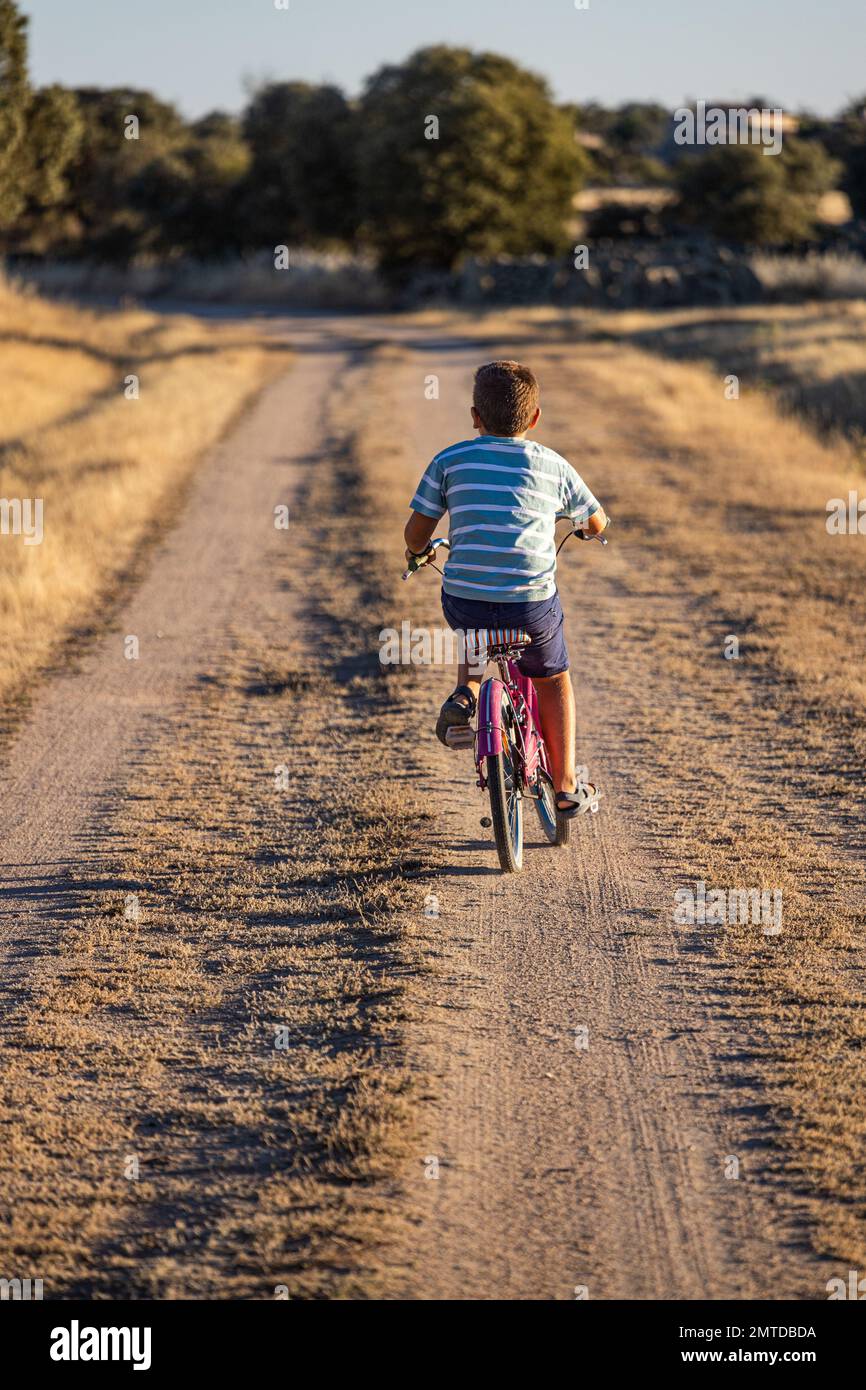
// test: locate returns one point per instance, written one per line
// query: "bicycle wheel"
(506, 803)
(555, 827)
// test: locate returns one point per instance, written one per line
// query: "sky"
(201, 54)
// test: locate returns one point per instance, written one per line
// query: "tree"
(854, 178)
(14, 98)
(639, 127)
(188, 194)
(39, 132)
(463, 154)
(108, 222)
(740, 194)
(847, 140)
(302, 178)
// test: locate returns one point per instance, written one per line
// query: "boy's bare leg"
(469, 676)
(558, 724)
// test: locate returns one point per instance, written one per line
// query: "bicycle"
(509, 749)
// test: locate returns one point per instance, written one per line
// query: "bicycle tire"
(555, 826)
(508, 833)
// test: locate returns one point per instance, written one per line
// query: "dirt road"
(575, 1096)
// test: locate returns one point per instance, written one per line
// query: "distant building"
(589, 140)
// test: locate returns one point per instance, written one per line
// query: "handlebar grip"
(416, 563)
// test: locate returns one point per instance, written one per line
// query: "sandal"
(456, 714)
(584, 799)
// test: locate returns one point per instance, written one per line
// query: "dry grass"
(834, 208)
(314, 280)
(109, 470)
(818, 275)
(810, 357)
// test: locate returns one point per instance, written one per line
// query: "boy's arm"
(595, 524)
(583, 510)
(428, 506)
(418, 533)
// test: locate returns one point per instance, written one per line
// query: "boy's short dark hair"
(506, 397)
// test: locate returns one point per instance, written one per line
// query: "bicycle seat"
(496, 640)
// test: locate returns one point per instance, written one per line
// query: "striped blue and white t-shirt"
(503, 497)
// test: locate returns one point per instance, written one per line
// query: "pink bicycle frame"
(488, 739)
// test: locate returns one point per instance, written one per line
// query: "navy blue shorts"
(543, 619)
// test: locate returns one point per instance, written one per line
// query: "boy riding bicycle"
(504, 495)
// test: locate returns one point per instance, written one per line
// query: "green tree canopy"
(302, 177)
(633, 137)
(739, 193)
(854, 178)
(109, 222)
(14, 98)
(499, 178)
(187, 194)
(39, 130)
(846, 139)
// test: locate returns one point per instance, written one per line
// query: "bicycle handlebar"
(418, 562)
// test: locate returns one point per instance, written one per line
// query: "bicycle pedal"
(460, 736)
